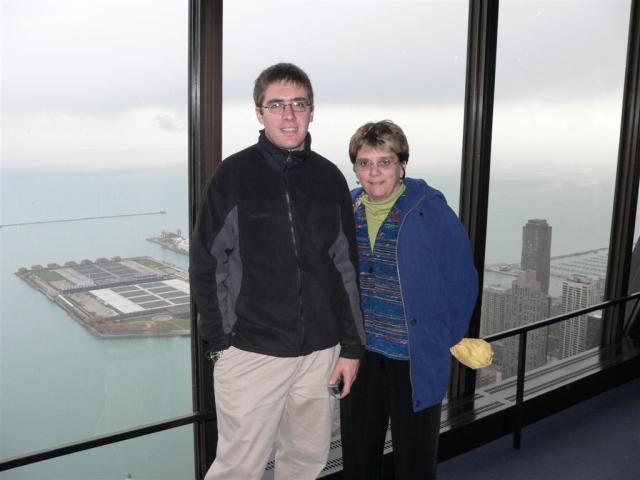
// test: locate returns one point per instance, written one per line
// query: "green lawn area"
(148, 263)
(48, 276)
(183, 323)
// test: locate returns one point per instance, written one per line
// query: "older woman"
(418, 288)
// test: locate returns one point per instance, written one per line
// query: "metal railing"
(522, 331)
(100, 441)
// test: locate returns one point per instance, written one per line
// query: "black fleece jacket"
(273, 255)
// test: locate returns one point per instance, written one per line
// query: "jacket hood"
(278, 156)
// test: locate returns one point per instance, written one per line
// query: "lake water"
(59, 383)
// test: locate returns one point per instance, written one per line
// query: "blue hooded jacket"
(439, 286)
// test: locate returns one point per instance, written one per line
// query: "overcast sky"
(112, 75)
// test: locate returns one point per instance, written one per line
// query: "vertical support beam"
(476, 154)
(626, 193)
(205, 152)
(519, 408)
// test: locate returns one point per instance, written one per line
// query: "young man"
(273, 272)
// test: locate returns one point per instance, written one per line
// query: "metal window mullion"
(518, 414)
(626, 192)
(205, 154)
(476, 154)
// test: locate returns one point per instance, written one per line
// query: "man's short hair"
(383, 135)
(281, 72)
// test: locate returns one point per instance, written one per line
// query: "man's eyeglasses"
(296, 106)
(382, 164)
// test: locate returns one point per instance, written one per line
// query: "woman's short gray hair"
(384, 135)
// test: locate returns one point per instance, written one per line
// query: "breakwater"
(99, 217)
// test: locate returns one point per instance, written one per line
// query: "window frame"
(205, 151)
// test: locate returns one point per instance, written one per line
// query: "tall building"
(494, 310)
(526, 303)
(494, 307)
(536, 250)
(505, 308)
(579, 292)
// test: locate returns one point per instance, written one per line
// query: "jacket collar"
(416, 191)
(280, 157)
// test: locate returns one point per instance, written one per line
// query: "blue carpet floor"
(598, 439)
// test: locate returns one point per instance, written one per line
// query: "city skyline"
(528, 299)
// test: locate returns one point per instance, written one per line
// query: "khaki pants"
(264, 401)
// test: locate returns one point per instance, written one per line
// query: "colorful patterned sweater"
(381, 300)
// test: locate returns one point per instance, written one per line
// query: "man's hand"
(347, 368)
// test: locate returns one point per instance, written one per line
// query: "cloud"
(103, 73)
(168, 121)
(94, 56)
(561, 50)
(35, 138)
(412, 52)
(110, 55)
(355, 52)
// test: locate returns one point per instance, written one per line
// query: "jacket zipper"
(402, 296)
(295, 248)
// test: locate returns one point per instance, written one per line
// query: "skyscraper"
(494, 309)
(579, 292)
(526, 303)
(505, 308)
(536, 250)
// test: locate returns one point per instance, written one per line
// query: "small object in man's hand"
(335, 389)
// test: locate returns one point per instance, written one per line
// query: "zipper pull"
(288, 161)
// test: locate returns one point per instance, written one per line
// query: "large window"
(368, 61)
(558, 98)
(94, 322)
(94, 317)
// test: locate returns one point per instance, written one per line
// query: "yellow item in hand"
(473, 352)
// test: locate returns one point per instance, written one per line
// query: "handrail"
(100, 441)
(522, 331)
(66, 449)
(558, 318)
